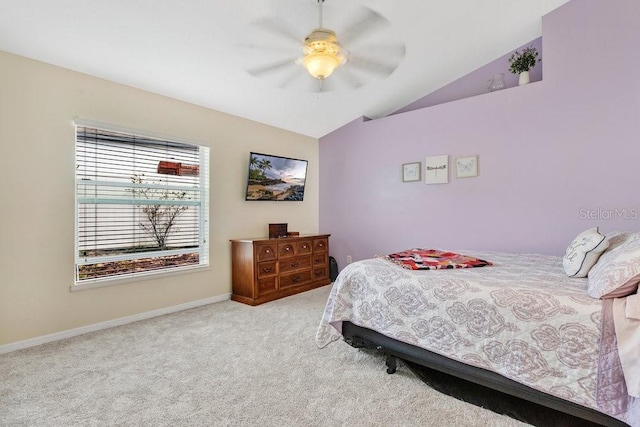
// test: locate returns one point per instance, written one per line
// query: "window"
(141, 204)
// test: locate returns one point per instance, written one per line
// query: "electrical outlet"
(349, 259)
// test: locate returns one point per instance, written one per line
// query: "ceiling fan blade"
(366, 24)
(279, 27)
(264, 48)
(370, 65)
(270, 68)
(292, 76)
(385, 51)
(344, 74)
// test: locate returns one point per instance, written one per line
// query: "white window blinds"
(141, 203)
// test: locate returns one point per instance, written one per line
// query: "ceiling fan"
(362, 51)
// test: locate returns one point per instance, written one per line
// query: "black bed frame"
(360, 337)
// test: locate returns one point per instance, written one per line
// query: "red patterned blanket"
(433, 259)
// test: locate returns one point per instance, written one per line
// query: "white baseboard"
(31, 342)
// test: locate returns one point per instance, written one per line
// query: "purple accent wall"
(476, 82)
(555, 157)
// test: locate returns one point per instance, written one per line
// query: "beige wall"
(37, 104)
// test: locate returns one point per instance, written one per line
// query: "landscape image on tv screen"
(275, 178)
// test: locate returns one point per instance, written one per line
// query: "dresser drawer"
(267, 285)
(320, 260)
(304, 247)
(286, 250)
(266, 252)
(320, 245)
(266, 269)
(293, 264)
(295, 279)
(319, 273)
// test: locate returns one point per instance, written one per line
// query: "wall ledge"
(475, 82)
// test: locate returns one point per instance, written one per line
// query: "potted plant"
(522, 62)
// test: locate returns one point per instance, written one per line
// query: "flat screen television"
(275, 178)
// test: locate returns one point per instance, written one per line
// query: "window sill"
(101, 283)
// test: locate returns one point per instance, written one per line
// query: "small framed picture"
(436, 170)
(466, 167)
(411, 172)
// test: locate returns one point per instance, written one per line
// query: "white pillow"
(617, 238)
(617, 272)
(584, 252)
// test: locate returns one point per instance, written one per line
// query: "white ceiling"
(199, 50)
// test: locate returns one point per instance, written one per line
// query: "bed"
(521, 326)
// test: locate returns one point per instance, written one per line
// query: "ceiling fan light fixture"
(322, 53)
(320, 65)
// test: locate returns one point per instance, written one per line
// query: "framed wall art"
(436, 170)
(466, 167)
(411, 172)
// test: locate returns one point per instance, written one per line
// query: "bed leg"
(391, 364)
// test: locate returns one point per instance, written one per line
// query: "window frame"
(203, 220)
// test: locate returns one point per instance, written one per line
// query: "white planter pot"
(523, 79)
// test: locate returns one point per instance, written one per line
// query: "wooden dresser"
(267, 269)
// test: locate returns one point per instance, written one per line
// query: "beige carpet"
(222, 364)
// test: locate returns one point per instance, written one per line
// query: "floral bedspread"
(522, 318)
(433, 259)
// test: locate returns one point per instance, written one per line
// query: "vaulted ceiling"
(237, 56)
